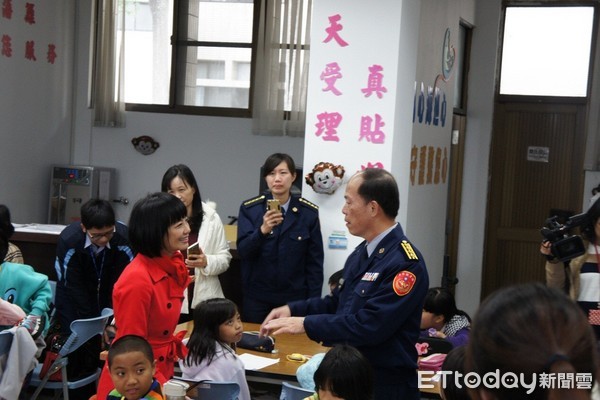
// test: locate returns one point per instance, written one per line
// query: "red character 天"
(374, 82)
(7, 9)
(330, 76)
(375, 135)
(29, 50)
(51, 55)
(30, 13)
(328, 122)
(333, 29)
(6, 46)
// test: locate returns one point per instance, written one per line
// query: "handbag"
(55, 344)
(252, 341)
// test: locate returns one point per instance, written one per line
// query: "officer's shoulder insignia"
(409, 251)
(404, 282)
(253, 201)
(307, 203)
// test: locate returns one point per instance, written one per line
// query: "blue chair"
(82, 330)
(292, 392)
(210, 390)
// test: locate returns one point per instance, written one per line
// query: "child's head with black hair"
(132, 366)
(455, 363)
(344, 373)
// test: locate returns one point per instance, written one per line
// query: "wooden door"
(536, 165)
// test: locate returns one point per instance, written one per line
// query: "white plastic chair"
(292, 392)
(82, 330)
(210, 390)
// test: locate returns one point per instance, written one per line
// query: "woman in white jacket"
(206, 229)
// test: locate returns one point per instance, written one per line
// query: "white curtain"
(281, 77)
(108, 101)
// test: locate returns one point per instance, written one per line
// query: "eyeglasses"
(97, 236)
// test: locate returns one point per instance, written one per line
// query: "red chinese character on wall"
(333, 29)
(330, 76)
(328, 122)
(6, 46)
(29, 50)
(30, 13)
(7, 9)
(51, 56)
(373, 134)
(375, 82)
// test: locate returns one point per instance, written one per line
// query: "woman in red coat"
(148, 295)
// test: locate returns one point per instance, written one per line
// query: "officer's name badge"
(370, 276)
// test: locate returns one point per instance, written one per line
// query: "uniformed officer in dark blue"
(378, 307)
(281, 252)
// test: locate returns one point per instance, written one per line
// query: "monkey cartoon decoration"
(145, 145)
(325, 177)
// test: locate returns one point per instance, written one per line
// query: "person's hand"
(279, 312)
(293, 325)
(271, 219)
(32, 324)
(546, 248)
(196, 261)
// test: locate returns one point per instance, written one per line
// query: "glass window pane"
(225, 21)
(546, 51)
(222, 77)
(148, 29)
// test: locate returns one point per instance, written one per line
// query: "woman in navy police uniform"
(281, 252)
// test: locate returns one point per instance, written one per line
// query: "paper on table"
(253, 362)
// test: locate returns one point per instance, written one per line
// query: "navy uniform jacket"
(377, 309)
(79, 291)
(287, 264)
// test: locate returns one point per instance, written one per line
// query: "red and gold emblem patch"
(404, 282)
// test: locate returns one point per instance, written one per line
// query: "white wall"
(477, 154)
(35, 106)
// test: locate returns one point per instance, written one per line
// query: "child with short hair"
(131, 365)
(211, 355)
(344, 373)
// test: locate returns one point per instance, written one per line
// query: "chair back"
(217, 391)
(83, 330)
(292, 392)
(6, 338)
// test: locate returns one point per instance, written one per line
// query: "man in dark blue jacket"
(378, 307)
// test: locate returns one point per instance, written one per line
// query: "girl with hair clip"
(442, 319)
(538, 335)
(579, 277)
(211, 346)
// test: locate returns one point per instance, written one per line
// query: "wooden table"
(285, 344)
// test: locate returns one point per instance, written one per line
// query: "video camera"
(565, 246)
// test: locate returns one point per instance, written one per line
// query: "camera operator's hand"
(546, 248)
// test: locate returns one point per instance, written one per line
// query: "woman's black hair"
(532, 329)
(6, 227)
(150, 220)
(346, 373)
(274, 160)
(208, 316)
(440, 301)
(186, 175)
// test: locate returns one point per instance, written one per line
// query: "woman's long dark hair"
(208, 316)
(185, 174)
